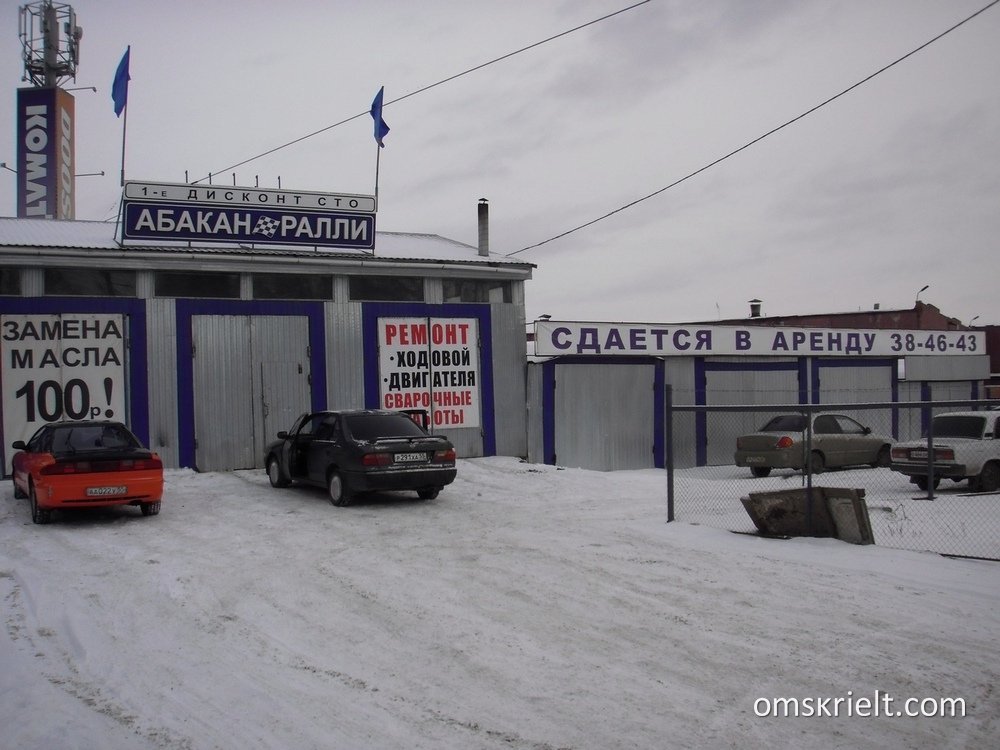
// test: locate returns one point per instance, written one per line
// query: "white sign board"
(432, 364)
(55, 367)
(554, 338)
(173, 192)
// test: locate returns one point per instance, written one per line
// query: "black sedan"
(350, 452)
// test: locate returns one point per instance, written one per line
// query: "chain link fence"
(844, 445)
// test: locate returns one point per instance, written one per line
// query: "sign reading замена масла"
(554, 338)
(171, 211)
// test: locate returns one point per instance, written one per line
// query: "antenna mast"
(50, 43)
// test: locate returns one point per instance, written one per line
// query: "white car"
(966, 446)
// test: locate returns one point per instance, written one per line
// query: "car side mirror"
(19, 445)
(282, 435)
(867, 431)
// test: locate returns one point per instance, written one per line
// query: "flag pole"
(378, 156)
(124, 128)
(119, 95)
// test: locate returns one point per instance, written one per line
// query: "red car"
(86, 465)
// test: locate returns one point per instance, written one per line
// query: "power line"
(758, 139)
(429, 87)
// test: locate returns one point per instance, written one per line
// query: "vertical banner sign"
(432, 364)
(45, 154)
(60, 367)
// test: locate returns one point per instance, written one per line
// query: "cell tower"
(50, 43)
(46, 113)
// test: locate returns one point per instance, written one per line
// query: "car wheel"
(38, 515)
(275, 475)
(760, 471)
(923, 484)
(884, 457)
(337, 489)
(150, 509)
(18, 492)
(428, 494)
(816, 463)
(989, 478)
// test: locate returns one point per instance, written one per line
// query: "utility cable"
(758, 139)
(429, 87)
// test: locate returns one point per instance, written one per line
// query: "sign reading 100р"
(69, 366)
(213, 213)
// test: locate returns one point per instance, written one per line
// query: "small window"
(476, 290)
(387, 288)
(10, 281)
(292, 286)
(89, 282)
(181, 284)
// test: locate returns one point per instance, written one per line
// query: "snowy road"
(527, 607)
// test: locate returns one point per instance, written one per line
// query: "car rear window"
(791, 422)
(960, 427)
(375, 426)
(90, 437)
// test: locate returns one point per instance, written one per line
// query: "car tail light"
(376, 459)
(785, 442)
(444, 456)
(67, 467)
(945, 454)
(89, 467)
(900, 454)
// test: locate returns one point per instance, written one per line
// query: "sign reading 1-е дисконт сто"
(215, 213)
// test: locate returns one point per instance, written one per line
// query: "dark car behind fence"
(949, 515)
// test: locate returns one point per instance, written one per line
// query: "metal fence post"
(809, 470)
(930, 453)
(669, 430)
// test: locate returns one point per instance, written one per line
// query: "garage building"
(209, 350)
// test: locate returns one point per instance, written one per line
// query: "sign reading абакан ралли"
(212, 213)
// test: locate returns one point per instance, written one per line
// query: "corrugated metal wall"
(680, 375)
(251, 378)
(509, 386)
(161, 356)
(345, 365)
(604, 416)
(535, 414)
(223, 389)
(755, 382)
(858, 382)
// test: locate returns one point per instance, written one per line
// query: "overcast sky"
(893, 186)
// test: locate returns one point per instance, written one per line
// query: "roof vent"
(755, 308)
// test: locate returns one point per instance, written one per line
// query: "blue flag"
(119, 89)
(381, 129)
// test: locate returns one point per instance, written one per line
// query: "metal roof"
(99, 235)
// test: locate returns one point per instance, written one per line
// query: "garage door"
(251, 379)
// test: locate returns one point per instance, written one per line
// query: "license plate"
(755, 459)
(106, 491)
(918, 454)
(410, 458)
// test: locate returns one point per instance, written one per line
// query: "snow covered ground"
(956, 522)
(526, 607)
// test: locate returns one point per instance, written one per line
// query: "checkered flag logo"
(266, 226)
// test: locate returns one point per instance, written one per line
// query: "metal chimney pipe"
(484, 227)
(755, 308)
